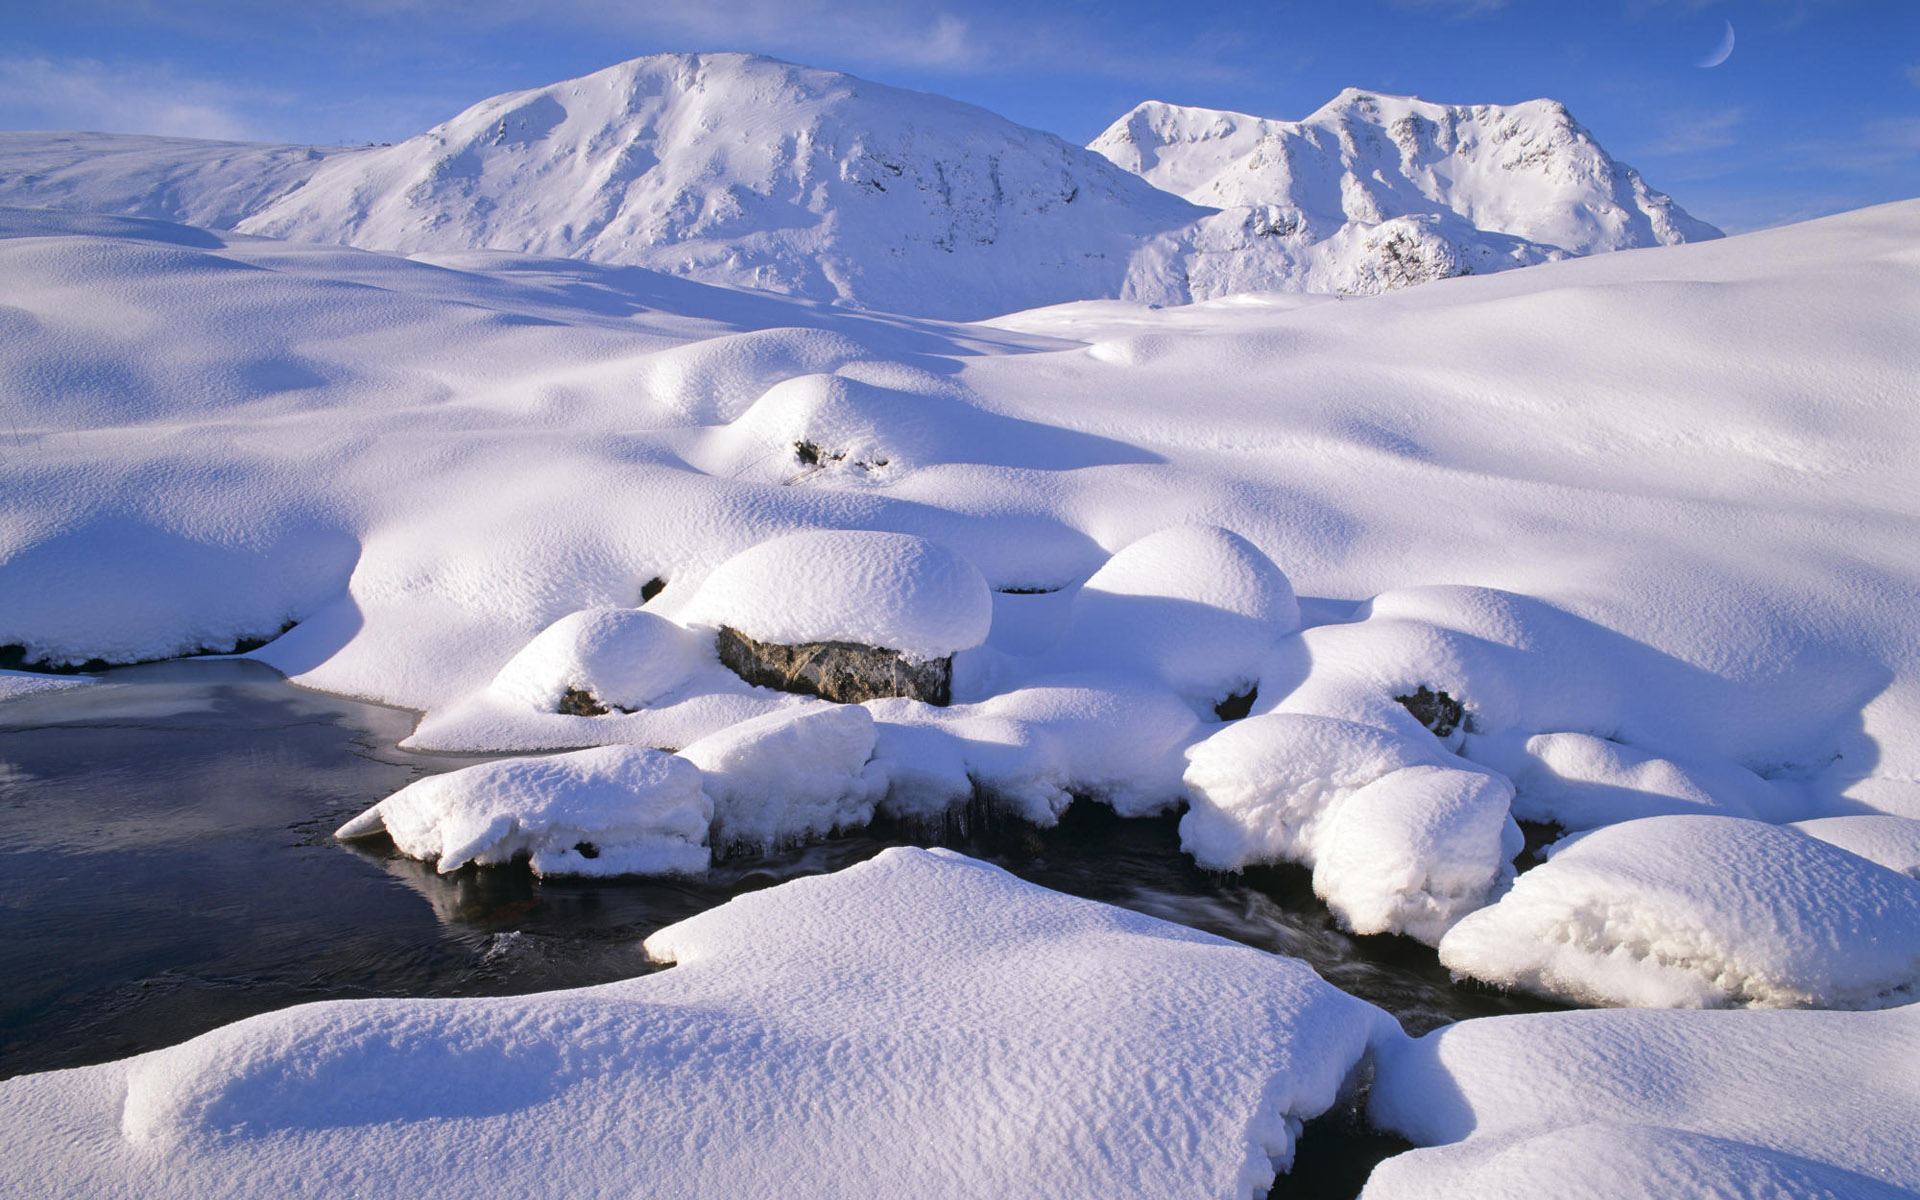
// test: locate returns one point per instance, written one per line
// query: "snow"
(888, 590)
(622, 657)
(1893, 842)
(780, 778)
(1578, 781)
(982, 1035)
(748, 172)
(1642, 1103)
(1700, 912)
(1611, 537)
(1400, 837)
(612, 810)
(25, 683)
(1194, 606)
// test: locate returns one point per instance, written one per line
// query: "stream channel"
(167, 866)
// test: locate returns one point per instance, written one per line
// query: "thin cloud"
(1913, 74)
(1697, 133)
(41, 93)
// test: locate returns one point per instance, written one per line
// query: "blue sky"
(1816, 111)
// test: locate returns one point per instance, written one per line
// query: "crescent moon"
(1721, 52)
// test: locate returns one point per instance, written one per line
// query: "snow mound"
(791, 775)
(889, 590)
(613, 810)
(1033, 749)
(951, 1019)
(1400, 835)
(1416, 850)
(1578, 781)
(1670, 1104)
(1700, 912)
(715, 380)
(622, 657)
(1893, 842)
(1195, 605)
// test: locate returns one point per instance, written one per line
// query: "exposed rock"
(843, 672)
(577, 703)
(1436, 710)
(1238, 705)
(651, 588)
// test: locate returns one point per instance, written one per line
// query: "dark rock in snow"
(1436, 710)
(843, 672)
(577, 703)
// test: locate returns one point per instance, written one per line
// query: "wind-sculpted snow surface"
(1681, 1105)
(975, 1036)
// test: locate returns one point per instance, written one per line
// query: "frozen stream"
(167, 866)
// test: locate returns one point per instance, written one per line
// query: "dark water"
(167, 866)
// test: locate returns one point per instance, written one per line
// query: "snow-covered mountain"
(732, 168)
(746, 171)
(1374, 191)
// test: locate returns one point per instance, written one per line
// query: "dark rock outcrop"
(843, 672)
(1436, 710)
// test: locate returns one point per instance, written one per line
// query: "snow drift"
(984, 1034)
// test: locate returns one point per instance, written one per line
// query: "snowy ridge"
(749, 172)
(1376, 191)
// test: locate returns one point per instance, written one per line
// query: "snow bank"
(1893, 842)
(26, 683)
(889, 590)
(1671, 1104)
(613, 810)
(1195, 606)
(1402, 837)
(790, 775)
(622, 657)
(1700, 912)
(919, 1024)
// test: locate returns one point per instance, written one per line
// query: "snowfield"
(1622, 544)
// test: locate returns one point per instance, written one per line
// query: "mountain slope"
(738, 169)
(1375, 191)
(744, 171)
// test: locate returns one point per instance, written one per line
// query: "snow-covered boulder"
(1416, 850)
(920, 1024)
(1402, 836)
(889, 590)
(612, 810)
(1700, 912)
(791, 775)
(612, 657)
(1578, 781)
(1679, 1105)
(845, 615)
(1893, 842)
(1196, 606)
